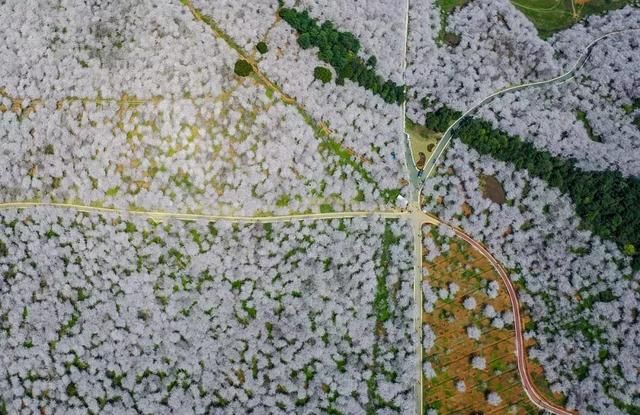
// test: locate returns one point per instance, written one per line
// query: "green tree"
(629, 249)
(372, 61)
(606, 201)
(340, 50)
(304, 40)
(322, 74)
(262, 47)
(242, 68)
(440, 120)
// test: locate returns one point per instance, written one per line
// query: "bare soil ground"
(492, 189)
(453, 350)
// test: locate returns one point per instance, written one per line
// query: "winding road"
(448, 134)
(521, 350)
(418, 219)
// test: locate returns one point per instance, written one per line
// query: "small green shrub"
(262, 48)
(242, 68)
(372, 61)
(322, 74)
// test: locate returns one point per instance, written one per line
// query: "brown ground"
(492, 189)
(451, 355)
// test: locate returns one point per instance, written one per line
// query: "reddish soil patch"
(453, 350)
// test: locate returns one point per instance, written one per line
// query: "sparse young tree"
(474, 332)
(493, 399)
(478, 362)
(469, 303)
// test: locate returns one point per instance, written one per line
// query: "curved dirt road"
(521, 351)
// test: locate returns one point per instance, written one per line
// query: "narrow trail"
(219, 33)
(163, 215)
(535, 9)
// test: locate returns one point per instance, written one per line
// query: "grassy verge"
(383, 313)
(446, 8)
(422, 139)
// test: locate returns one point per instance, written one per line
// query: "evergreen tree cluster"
(441, 119)
(340, 50)
(606, 201)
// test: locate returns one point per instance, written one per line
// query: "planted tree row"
(340, 50)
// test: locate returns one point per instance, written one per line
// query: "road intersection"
(413, 214)
(416, 217)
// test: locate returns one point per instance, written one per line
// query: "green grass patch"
(390, 195)
(582, 117)
(446, 8)
(269, 92)
(551, 16)
(130, 228)
(326, 208)
(345, 157)
(422, 140)
(112, 191)
(383, 313)
(283, 201)
(381, 301)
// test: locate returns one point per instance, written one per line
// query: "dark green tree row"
(440, 120)
(340, 50)
(607, 202)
